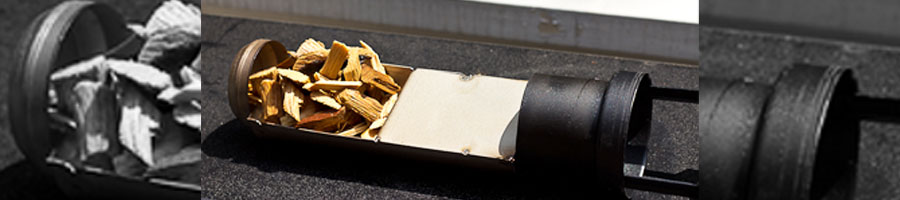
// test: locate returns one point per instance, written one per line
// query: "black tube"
(577, 129)
(729, 119)
(675, 94)
(877, 109)
(557, 133)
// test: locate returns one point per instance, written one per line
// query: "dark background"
(238, 165)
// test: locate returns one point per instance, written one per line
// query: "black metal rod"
(664, 185)
(674, 94)
(877, 109)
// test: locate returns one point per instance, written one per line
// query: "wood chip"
(186, 93)
(352, 71)
(380, 80)
(139, 121)
(375, 93)
(310, 62)
(319, 77)
(145, 75)
(89, 68)
(325, 99)
(268, 73)
(353, 131)
(295, 76)
(308, 107)
(329, 120)
(93, 113)
(254, 100)
(188, 115)
(293, 99)
(366, 107)
(310, 45)
(373, 57)
(377, 123)
(323, 121)
(336, 57)
(389, 105)
(61, 122)
(287, 63)
(272, 98)
(370, 134)
(334, 85)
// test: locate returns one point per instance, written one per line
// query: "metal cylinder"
(569, 130)
(558, 124)
(576, 129)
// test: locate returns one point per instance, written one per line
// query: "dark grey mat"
(238, 165)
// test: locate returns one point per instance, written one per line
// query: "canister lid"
(252, 57)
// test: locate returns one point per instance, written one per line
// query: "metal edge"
(788, 141)
(615, 121)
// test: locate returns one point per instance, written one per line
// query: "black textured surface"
(760, 57)
(237, 165)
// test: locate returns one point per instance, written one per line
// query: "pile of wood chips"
(135, 114)
(343, 90)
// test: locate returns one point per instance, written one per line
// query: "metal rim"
(618, 120)
(248, 60)
(788, 144)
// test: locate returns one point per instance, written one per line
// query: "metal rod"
(664, 183)
(877, 109)
(674, 94)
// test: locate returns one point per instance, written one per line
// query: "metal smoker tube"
(581, 132)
